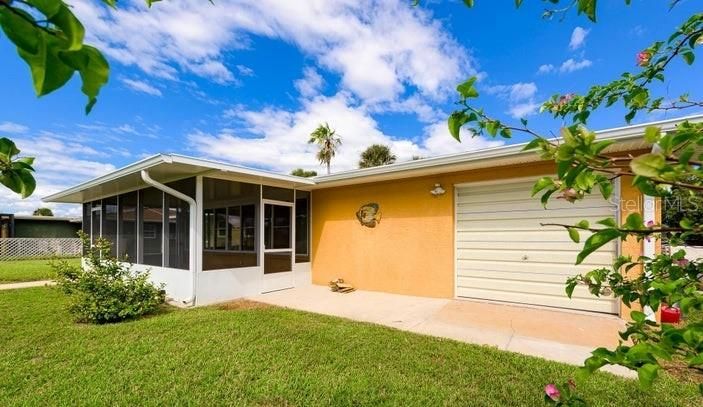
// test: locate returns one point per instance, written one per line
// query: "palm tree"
(328, 142)
(376, 155)
(43, 212)
(299, 172)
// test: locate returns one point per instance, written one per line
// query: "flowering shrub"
(563, 395)
(106, 290)
(583, 167)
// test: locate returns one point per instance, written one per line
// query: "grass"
(260, 355)
(27, 270)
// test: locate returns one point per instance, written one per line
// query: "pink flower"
(564, 99)
(643, 58)
(650, 223)
(552, 392)
(682, 262)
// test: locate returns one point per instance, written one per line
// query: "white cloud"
(58, 164)
(520, 97)
(311, 82)
(545, 69)
(571, 65)
(578, 38)
(245, 70)
(378, 48)
(522, 110)
(15, 128)
(141, 86)
(281, 144)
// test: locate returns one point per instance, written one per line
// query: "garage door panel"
(503, 252)
(596, 305)
(544, 288)
(533, 204)
(524, 245)
(529, 256)
(524, 197)
(464, 275)
(523, 224)
(541, 235)
(538, 214)
(545, 268)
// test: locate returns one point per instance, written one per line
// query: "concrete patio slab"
(28, 284)
(562, 336)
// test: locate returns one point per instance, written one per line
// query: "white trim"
(193, 211)
(199, 224)
(158, 159)
(284, 279)
(616, 215)
(619, 134)
(439, 164)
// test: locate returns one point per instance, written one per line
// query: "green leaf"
(634, 221)
(467, 89)
(455, 121)
(595, 241)
(492, 127)
(24, 35)
(11, 181)
(588, 7)
(688, 57)
(652, 134)
(574, 234)
(648, 165)
(638, 316)
(606, 188)
(49, 72)
(647, 373)
(686, 223)
(94, 71)
(27, 183)
(696, 360)
(70, 26)
(8, 149)
(609, 222)
(542, 183)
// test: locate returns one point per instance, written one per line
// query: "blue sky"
(247, 81)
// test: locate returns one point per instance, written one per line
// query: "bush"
(106, 290)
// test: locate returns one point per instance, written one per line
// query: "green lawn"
(268, 356)
(26, 270)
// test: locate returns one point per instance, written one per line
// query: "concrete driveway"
(563, 336)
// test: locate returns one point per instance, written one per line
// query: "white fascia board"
(155, 160)
(130, 169)
(618, 134)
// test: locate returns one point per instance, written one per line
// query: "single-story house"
(31, 226)
(454, 226)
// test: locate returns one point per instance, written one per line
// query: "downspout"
(191, 236)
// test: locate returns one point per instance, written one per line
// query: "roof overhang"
(171, 167)
(166, 168)
(628, 138)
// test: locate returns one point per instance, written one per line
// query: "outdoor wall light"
(437, 190)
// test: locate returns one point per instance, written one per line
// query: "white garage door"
(504, 254)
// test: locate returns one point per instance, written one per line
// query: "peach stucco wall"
(411, 251)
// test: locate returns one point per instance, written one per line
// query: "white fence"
(38, 248)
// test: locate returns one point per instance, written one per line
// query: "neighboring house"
(212, 231)
(38, 226)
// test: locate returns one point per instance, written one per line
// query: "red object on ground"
(670, 315)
